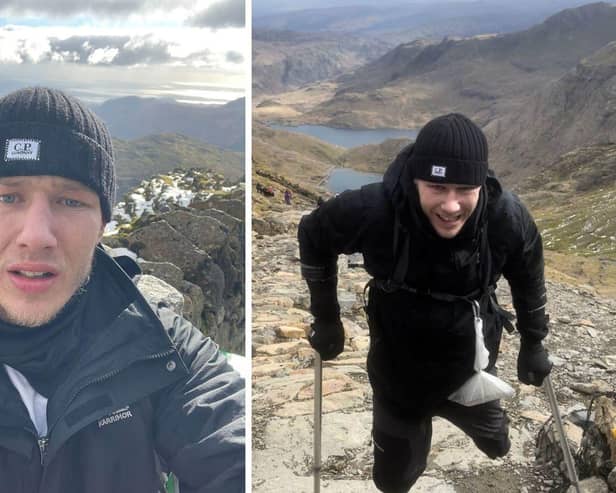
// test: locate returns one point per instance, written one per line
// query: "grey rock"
(157, 291)
(175, 248)
(591, 485)
(206, 233)
(233, 207)
(164, 270)
(611, 479)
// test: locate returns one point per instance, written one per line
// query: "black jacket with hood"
(422, 344)
(146, 393)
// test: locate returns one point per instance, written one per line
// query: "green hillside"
(574, 204)
(142, 158)
(302, 158)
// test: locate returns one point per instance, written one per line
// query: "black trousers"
(401, 446)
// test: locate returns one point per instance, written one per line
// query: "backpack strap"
(401, 255)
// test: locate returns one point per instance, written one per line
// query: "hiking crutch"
(560, 429)
(318, 396)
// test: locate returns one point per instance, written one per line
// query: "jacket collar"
(134, 347)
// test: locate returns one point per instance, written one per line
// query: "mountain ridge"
(133, 117)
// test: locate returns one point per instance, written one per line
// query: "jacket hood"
(395, 178)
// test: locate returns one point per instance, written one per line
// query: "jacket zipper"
(43, 441)
(42, 444)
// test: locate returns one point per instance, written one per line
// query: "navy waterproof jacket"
(422, 346)
(149, 394)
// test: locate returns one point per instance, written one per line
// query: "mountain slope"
(482, 76)
(575, 110)
(574, 201)
(306, 159)
(142, 158)
(134, 117)
(283, 60)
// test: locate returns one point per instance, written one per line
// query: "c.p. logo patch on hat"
(439, 171)
(22, 150)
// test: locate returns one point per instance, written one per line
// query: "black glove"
(533, 363)
(327, 334)
(327, 338)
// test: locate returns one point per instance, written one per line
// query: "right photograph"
(433, 246)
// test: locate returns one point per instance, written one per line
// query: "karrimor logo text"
(439, 171)
(22, 150)
(119, 415)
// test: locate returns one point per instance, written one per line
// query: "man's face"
(49, 227)
(447, 206)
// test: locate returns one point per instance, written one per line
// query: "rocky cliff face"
(581, 345)
(576, 110)
(283, 60)
(187, 227)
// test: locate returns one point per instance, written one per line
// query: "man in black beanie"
(100, 392)
(436, 235)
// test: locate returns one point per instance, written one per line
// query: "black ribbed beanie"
(47, 132)
(450, 149)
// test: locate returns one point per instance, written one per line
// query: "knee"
(396, 466)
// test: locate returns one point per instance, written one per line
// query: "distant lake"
(341, 179)
(346, 137)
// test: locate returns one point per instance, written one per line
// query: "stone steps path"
(583, 335)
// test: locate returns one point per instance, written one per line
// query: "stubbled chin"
(447, 232)
(29, 316)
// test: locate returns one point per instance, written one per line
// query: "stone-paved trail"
(582, 345)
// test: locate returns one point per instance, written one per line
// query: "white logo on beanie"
(439, 171)
(22, 150)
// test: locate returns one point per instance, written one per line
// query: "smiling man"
(99, 391)
(436, 235)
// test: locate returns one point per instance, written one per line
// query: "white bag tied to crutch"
(482, 386)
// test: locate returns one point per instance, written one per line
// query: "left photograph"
(122, 246)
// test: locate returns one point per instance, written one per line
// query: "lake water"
(346, 137)
(341, 179)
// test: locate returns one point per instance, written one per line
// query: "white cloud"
(126, 47)
(108, 48)
(103, 55)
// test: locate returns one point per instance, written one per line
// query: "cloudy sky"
(191, 50)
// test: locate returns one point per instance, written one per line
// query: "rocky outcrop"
(197, 250)
(581, 345)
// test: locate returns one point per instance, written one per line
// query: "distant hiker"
(100, 391)
(436, 235)
(287, 197)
